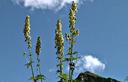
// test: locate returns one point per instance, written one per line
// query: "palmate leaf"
(75, 32)
(28, 65)
(65, 59)
(59, 65)
(32, 78)
(40, 77)
(68, 59)
(67, 36)
(74, 59)
(75, 52)
(64, 76)
(69, 51)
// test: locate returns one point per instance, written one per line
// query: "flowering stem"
(71, 38)
(38, 50)
(71, 61)
(31, 65)
(38, 66)
(59, 45)
(29, 45)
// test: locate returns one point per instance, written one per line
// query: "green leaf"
(32, 78)
(76, 32)
(67, 36)
(28, 65)
(64, 76)
(65, 59)
(75, 52)
(73, 58)
(40, 77)
(59, 65)
(69, 51)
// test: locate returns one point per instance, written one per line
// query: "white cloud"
(89, 63)
(46, 4)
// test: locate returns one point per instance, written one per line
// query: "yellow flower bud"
(27, 28)
(38, 45)
(59, 40)
(59, 26)
(27, 32)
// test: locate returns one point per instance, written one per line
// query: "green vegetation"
(63, 58)
(70, 57)
(59, 41)
(59, 45)
(70, 37)
(27, 36)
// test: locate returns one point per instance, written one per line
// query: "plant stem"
(61, 68)
(70, 56)
(39, 68)
(31, 65)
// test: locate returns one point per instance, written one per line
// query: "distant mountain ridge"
(92, 77)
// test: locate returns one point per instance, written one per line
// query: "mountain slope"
(91, 77)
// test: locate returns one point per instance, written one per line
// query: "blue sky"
(103, 34)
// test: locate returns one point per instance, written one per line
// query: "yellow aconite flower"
(38, 46)
(27, 28)
(27, 31)
(72, 16)
(72, 19)
(74, 6)
(59, 40)
(59, 26)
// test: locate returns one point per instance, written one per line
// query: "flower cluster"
(59, 40)
(59, 45)
(72, 22)
(71, 38)
(72, 16)
(38, 45)
(27, 32)
(30, 64)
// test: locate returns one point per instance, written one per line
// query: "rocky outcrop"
(91, 77)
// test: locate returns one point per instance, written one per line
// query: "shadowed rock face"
(91, 77)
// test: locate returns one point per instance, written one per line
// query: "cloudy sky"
(102, 44)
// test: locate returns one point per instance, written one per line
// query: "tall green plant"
(28, 41)
(40, 76)
(59, 45)
(71, 38)
(29, 46)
